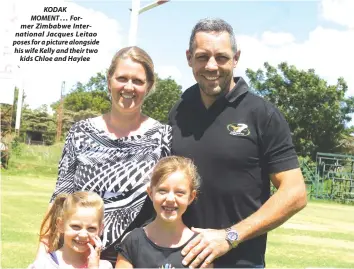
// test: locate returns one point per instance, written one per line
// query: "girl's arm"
(123, 262)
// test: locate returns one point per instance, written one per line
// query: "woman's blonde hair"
(137, 55)
(63, 207)
(168, 165)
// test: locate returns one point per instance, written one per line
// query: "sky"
(307, 34)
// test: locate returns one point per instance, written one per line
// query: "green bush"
(16, 147)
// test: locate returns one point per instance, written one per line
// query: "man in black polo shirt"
(240, 143)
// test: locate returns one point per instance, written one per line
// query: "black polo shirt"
(235, 143)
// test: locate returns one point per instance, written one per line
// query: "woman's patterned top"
(117, 169)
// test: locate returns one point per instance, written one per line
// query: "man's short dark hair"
(213, 25)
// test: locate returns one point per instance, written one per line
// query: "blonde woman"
(113, 154)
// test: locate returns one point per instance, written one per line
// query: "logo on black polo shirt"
(238, 129)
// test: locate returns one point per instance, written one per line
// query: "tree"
(93, 100)
(97, 83)
(158, 104)
(347, 141)
(39, 121)
(317, 113)
(90, 96)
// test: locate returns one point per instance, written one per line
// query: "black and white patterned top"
(117, 169)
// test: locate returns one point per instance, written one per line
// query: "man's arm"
(289, 199)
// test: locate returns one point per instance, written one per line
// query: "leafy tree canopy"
(317, 113)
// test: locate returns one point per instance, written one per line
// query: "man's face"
(212, 61)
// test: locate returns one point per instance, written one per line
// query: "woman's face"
(128, 86)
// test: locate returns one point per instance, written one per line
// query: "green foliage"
(308, 168)
(16, 147)
(347, 142)
(158, 104)
(90, 96)
(86, 100)
(49, 138)
(94, 100)
(6, 115)
(97, 83)
(39, 120)
(317, 113)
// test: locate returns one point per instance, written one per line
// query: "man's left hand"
(208, 245)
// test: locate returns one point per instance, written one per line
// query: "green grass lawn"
(30, 160)
(23, 203)
(322, 235)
